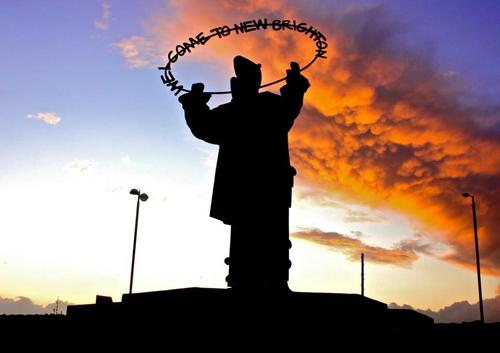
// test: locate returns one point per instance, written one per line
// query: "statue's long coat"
(253, 167)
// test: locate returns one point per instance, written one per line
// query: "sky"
(401, 118)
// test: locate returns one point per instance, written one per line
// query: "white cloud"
(103, 22)
(353, 216)
(126, 160)
(47, 117)
(138, 51)
(25, 306)
(210, 157)
(116, 188)
(78, 166)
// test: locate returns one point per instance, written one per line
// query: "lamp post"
(466, 194)
(362, 274)
(140, 197)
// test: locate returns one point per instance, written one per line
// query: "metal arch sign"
(187, 46)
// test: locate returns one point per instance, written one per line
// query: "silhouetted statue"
(253, 180)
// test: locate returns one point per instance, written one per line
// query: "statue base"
(234, 312)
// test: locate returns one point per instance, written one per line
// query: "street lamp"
(140, 197)
(466, 194)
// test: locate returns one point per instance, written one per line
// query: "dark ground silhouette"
(205, 317)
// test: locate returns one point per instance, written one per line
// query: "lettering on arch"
(201, 39)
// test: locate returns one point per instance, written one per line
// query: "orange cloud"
(411, 145)
(403, 254)
(382, 126)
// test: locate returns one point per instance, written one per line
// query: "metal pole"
(477, 261)
(133, 251)
(362, 274)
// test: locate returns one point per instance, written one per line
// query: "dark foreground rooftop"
(288, 308)
(223, 315)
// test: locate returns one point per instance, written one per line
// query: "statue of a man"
(253, 179)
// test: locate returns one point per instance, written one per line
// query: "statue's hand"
(196, 96)
(295, 79)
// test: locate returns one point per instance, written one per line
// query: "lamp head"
(466, 194)
(134, 192)
(144, 197)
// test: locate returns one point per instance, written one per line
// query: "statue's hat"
(245, 68)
